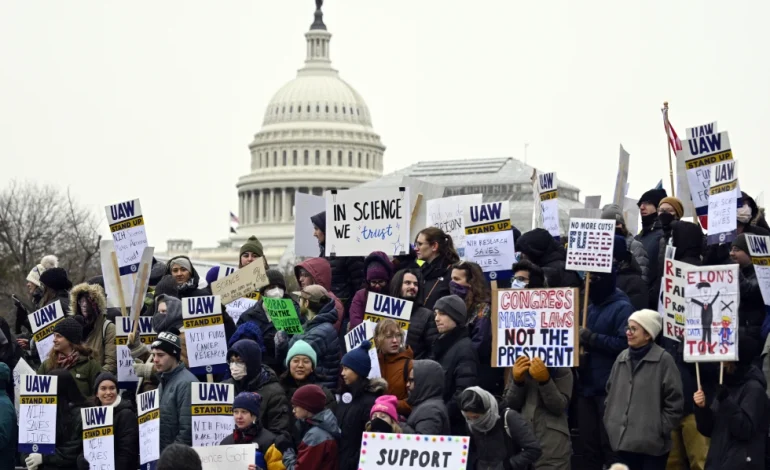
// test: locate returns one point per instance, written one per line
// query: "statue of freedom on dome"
(319, 4)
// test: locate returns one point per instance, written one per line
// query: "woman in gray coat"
(425, 385)
(644, 397)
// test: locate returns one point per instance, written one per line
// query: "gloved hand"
(259, 461)
(539, 371)
(282, 444)
(280, 339)
(33, 461)
(585, 337)
(131, 339)
(520, 368)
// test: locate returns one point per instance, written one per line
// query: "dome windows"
(329, 158)
(339, 158)
(307, 157)
(317, 157)
(327, 108)
(294, 157)
(284, 158)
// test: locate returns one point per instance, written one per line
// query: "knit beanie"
(536, 244)
(253, 245)
(310, 397)
(319, 221)
(358, 359)
(675, 203)
(274, 278)
(376, 271)
(302, 348)
(56, 279)
(48, 262)
(385, 404)
(249, 401)
(71, 329)
(741, 243)
(157, 272)
(182, 261)
(613, 212)
(454, 307)
(649, 320)
(105, 376)
(653, 197)
(169, 343)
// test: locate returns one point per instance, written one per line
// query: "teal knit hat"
(301, 348)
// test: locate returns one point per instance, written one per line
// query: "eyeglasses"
(632, 329)
(380, 283)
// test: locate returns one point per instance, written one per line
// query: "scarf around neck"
(246, 435)
(487, 421)
(64, 361)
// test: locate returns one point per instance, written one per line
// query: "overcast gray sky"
(159, 100)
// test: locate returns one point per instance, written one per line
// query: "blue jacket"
(607, 321)
(8, 427)
(323, 338)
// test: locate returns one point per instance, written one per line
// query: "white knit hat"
(649, 320)
(48, 262)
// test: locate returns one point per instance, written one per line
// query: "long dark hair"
(398, 280)
(479, 291)
(446, 246)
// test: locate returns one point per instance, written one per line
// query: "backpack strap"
(505, 422)
(104, 331)
(406, 370)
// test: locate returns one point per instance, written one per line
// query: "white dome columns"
(272, 205)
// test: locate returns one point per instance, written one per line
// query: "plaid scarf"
(64, 361)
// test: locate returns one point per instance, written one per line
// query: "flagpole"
(668, 146)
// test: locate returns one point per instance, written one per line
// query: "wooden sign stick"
(121, 297)
(585, 304)
(697, 375)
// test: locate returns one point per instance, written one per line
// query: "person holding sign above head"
(71, 354)
(426, 397)
(651, 229)
(422, 324)
(644, 397)
(379, 272)
(358, 395)
(539, 247)
(174, 390)
(454, 351)
(318, 271)
(437, 251)
(185, 276)
(88, 302)
(395, 360)
(318, 449)
(126, 427)
(247, 408)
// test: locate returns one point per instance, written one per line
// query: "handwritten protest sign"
(128, 234)
(420, 192)
(43, 322)
(142, 281)
(212, 412)
(411, 451)
(379, 306)
(759, 249)
(37, 414)
(113, 284)
(700, 153)
(535, 323)
(723, 202)
(227, 457)
(547, 194)
(242, 282)
(621, 182)
(127, 377)
(148, 410)
(305, 207)
(237, 307)
(360, 221)
(711, 319)
(489, 238)
(205, 334)
(283, 315)
(446, 213)
(671, 301)
(21, 369)
(98, 437)
(590, 245)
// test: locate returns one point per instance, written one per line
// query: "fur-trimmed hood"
(94, 292)
(377, 385)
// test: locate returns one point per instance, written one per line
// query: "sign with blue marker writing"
(148, 411)
(489, 238)
(98, 437)
(128, 234)
(705, 149)
(43, 321)
(360, 221)
(724, 198)
(759, 249)
(446, 214)
(548, 198)
(241, 283)
(212, 412)
(379, 306)
(205, 334)
(37, 414)
(127, 378)
(589, 245)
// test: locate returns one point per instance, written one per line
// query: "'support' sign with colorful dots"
(405, 451)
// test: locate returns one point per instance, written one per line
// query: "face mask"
(744, 214)
(457, 289)
(238, 370)
(380, 425)
(274, 293)
(516, 284)
(665, 219)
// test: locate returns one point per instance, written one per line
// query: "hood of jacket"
(688, 240)
(173, 316)
(377, 386)
(326, 421)
(328, 314)
(195, 277)
(95, 294)
(538, 244)
(5, 377)
(251, 354)
(428, 382)
(382, 258)
(320, 269)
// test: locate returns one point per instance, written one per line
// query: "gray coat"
(545, 407)
(640, 255)
(429, 414)
(645, 404)
(175, 408)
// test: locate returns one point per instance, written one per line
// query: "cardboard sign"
(535, 323)
(590, 244)
(446, 214)
(111, 282)
(43, 322)
(127, 378)
(359, 334)
(379, 306)
(128, 234)
(98, 437)
(489, 238)
(759, 249)
(306, 206)
(230, 457)
(411, 451)
(724, 199)
(205, 334)
(142, 281)
(148, 411)
(631, 213)
(360, 221)
(283, 315)
(700, 153)
(21, 369)
(621, 182)
(547, 194)
(419, 205)
(242, 282)
(37, 414)
(671, 301)
(711, 319)
(212, 412)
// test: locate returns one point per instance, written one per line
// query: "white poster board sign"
(700, 153)
(412, 451)
(380, 306)
(671, 301)
(360, 221)
(590, 245)
(205, 334)
(212, 412)
(128, 233)
(127, 378)
(711, 319)
(547, 194)
(111, 286)
(724, 198)
(148, 411)
(446, 214)
(759, 249)
(306, 206)
(489, 238)
(98, 437)
(621, 181)
(21, 369)
(43, 322)
(418, 204)
(37, 414)
(236, 456)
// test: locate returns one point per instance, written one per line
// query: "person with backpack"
(88, 302)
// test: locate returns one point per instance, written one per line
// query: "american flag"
(673, 139)
(234, 218)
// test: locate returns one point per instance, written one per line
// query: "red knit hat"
(310, 397)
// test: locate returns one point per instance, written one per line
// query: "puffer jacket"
(751, 309)
(353, 414)
(480, 328)
(650, 238)
(435, 280)
(509, 445)
(319, 448)
(637, 250)
(429, 414)
(9, 429)
(358, 305)
(323, 338)
(394, 368)
(84, 372)
(176, 415)
(631, 282)
(422, 331)
(100, 337)
(544, 406)
(192, 289)
(455, 353)
(321, 271)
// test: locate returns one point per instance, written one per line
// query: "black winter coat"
(69, 442)
(454, 352)
(434, 284)
(274, 414)
(353, 416)
(630, 281)
(257, 314)
(347, 276)
(126, 431)
(323, 338)
(497, 449)
(422, 332)
(751, 309)
(554, 265)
